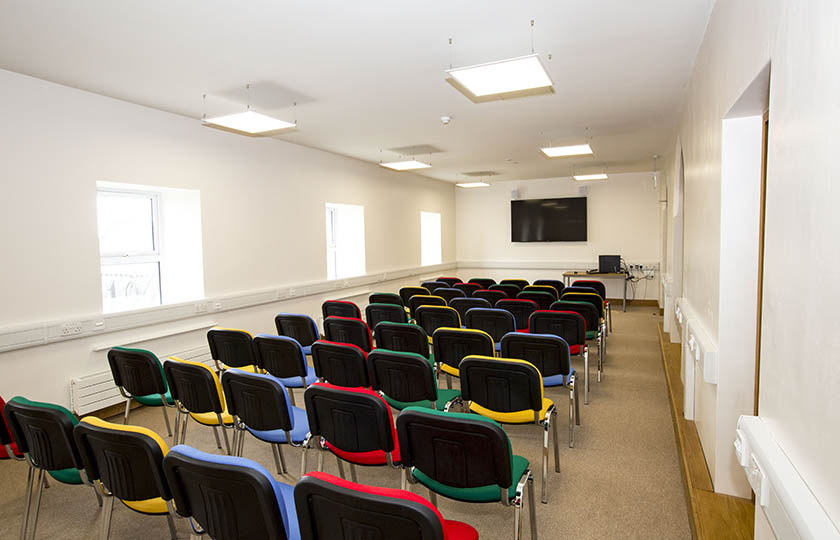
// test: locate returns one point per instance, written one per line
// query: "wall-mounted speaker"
(514, 195)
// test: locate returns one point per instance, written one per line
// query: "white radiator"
(94, 392)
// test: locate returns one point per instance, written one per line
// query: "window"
(142, 263)
(430, 247)
(345, 240)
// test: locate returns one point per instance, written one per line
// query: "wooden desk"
(569, 276)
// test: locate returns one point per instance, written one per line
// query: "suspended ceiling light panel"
(409, 165)
(250, 123)
(504, 78)
(583, 177)
(472, 184)
(564, 151)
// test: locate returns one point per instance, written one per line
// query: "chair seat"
(489, 493)
(374, 457)
(456, 530)
(155, 507)
(248, 369)
(288, 493)
(67, 476)
(443, 397)
(517, 417)
(279, 436)
(523, 330)
(307, 350)
(591, 334)
(153, 400)
(294, 382)
(574, 349)
(558, 380)
(446, 368)
(497, 346)
(210, 418)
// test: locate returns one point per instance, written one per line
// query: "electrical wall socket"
(217, 306)
(71, 328)
(201, 307)
(292, 292)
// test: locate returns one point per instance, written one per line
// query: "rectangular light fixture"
(563, 151)
(248, 123)
(409, 165)
(503, 76)
(473, 184)
(600, 176)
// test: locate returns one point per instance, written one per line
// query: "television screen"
(548, 220)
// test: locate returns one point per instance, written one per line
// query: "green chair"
(139, 375)
(407, 380)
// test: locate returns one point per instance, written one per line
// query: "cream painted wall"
(262, 203)
(622, 214)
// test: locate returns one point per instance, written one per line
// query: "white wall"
(262, 205)
(622, 215)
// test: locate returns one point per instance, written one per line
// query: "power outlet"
(217, 306)
(71, 329)
(292, 292)
(201, 307)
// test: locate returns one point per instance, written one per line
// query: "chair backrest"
(376, 313)
(45, 432)
(448, 293)
(194, 385)
(341, 364)
(543, 299)
(423, 300)
(491, 296)
(229, 497)
(340, 308)
(402, 337)
(329, 507)
(520, 308)
(581, 289)
(496, 322)
(451, 345)
(348, 330)
(407, 292)
(569, 326)
(281, 356)
(556, 283)
(546, 352)
(385, 298)
(462, 305)
(402, 376)
(232, 348)
(592, 297)
(432, 286)
(595, 284)
(521, 283)
(455, 449)
(502, 384)
(260, 401)
(509, 289)
(482, 281)
(128, 460)
(449, 280)
(588, 311)
(350, 419)
(430, 318)
(543, 288)
(138, 371)
(301, 327)
(468, 288)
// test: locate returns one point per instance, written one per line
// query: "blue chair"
(301, 327)
(230, 497)
(285, 358)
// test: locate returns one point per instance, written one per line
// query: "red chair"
(521, 310)
(9, 448)
(348, 330)
(340, 308)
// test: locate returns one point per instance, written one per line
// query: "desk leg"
(624, 303)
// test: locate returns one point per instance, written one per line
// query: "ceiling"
(369, 76)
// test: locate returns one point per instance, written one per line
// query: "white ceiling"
(369, 75)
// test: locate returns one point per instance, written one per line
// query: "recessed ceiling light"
(473, 184)
(599, 176)
(503, 76)
(406, 165)
(563, 151)
(248, 122)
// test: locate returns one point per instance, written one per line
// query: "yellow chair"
(233, 348)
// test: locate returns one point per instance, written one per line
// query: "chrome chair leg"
(170, 519)
(165, 416)
(517, 519)
(448, 381)
(546, 428)
(224, 433)
(320, 459)
(30, 480)
(403, 479)
(279, 458)
(571, 413)
(556, 446)
(241, 444)
(585, 376)
(532, 507)
(600, 358)
(216, 436)
(177, 425)
(577, 406)
(106, 518)
(37, 503)
(97, 492)
(184, 423)
(127, 410)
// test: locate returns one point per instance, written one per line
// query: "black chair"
(302, 328)
(449, 293)
(521, 283)
(354, 424)
(260, 405)
(462, 305)
(407, 292)
(128, 463)
(543, 288)
(509, 289)
(341, 364)
(483, 282)
(521, 309)
(407, 380)
(601, 288)
(556, 283)
(340, 308)
(430, 318)
(451, 345)
(329, 507)
(594, 331)
(468, 288)
(376, 313)
(550, 355)
(403, 337)
(432, 286)
(233, 348)
(464, 457)
(572, 328)
(348, 330)
(138, 375)
(284, 358)
(385, 298)
(450, 281)
(587, 294)
(542, 299)
(229, 498)
(496, 322)
(423, 300)
(491, 296)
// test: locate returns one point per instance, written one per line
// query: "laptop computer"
(609, 264)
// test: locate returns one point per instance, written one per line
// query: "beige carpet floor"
(622, 479)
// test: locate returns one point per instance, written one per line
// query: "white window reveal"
(345, 227)
(430, 242)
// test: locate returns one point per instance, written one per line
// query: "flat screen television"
(548, 220)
